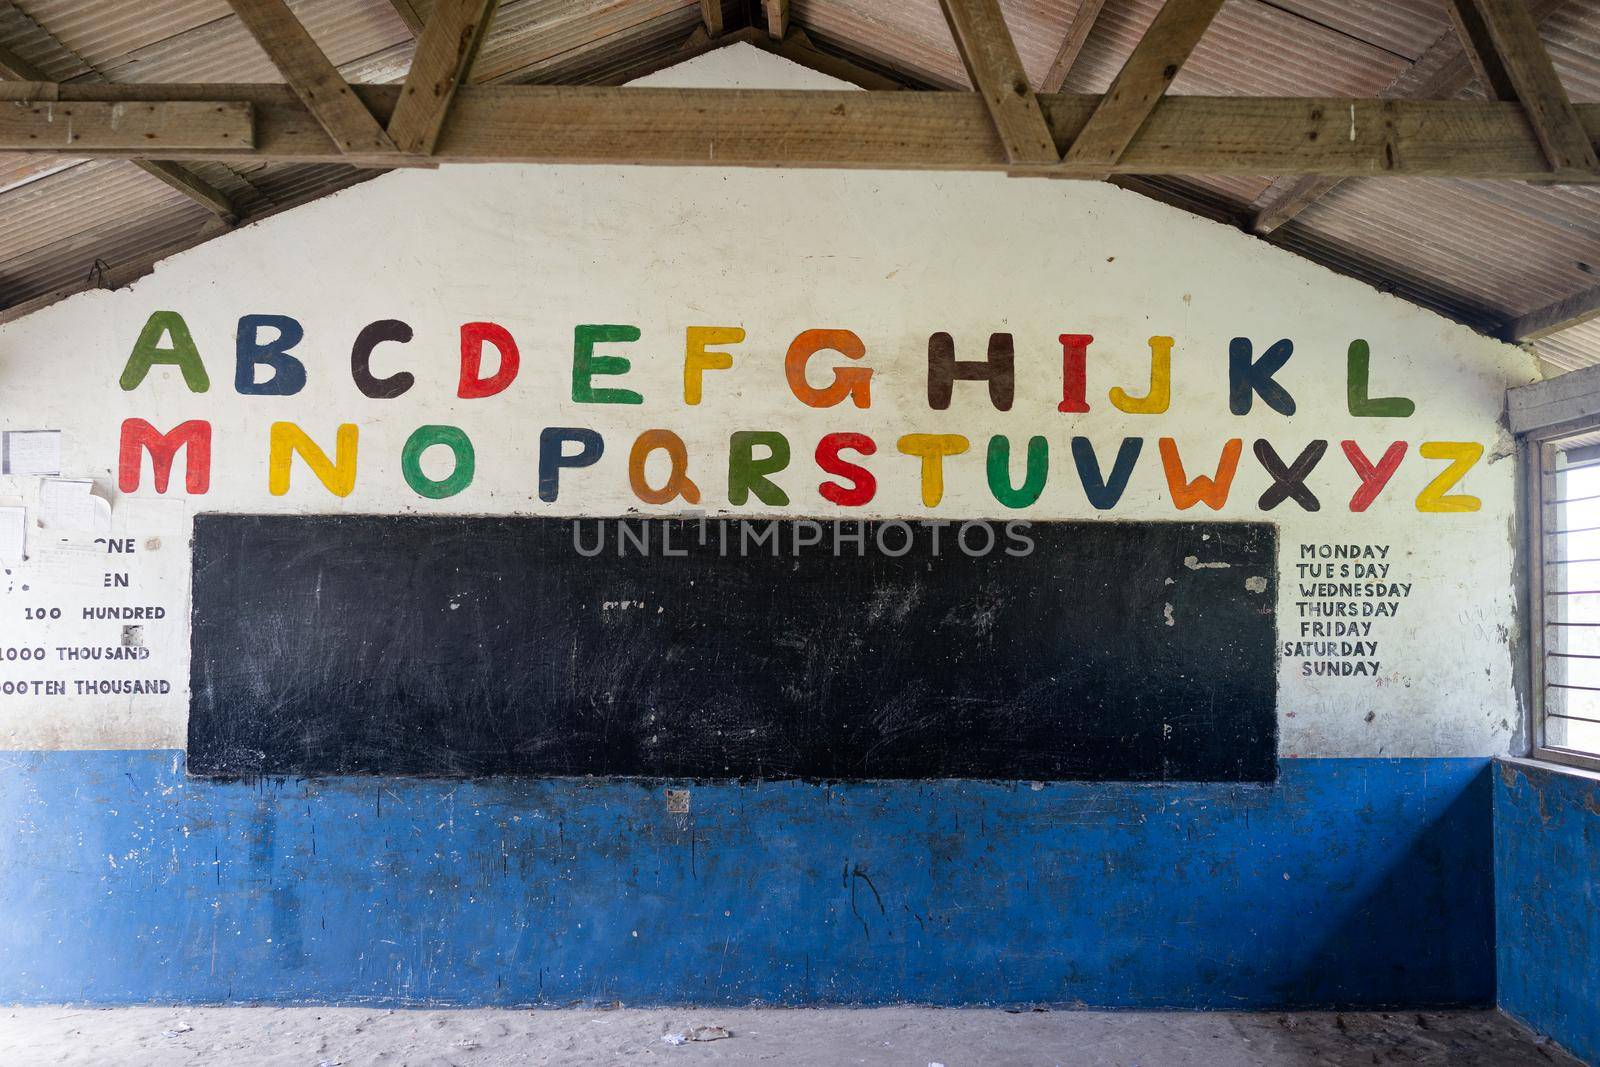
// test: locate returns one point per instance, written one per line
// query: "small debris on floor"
(698, 1033)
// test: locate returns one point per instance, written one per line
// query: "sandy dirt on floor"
(921, 1037)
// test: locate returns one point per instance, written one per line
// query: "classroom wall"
(1547, 900)
(1360, 876)
(1351, 882)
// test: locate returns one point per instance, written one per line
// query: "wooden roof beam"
(1066, 57)
(992, 63)
(845, 128)
(126, 128)
(407, 10)
(1477, 48)
(1142, 82)
(174, 175)
(15, 68)
(797, 47)
(179, 177)
(443, 61)
(314, 79)
(1503, 39)
(1441, 72)
(1564, 314)
(777, 12)
(711, 16)
(1287, 197)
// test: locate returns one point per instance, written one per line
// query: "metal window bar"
(1556, 472)
(1565, 600)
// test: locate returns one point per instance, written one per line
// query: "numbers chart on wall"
(90, 614)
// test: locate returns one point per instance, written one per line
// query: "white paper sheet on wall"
(13, 533)
(70, 504)
(31, 452)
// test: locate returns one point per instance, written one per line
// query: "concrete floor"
(357, 1037)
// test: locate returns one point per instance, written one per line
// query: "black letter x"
(1290, 481)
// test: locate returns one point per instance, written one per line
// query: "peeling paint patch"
(1194, 564)
(1255, 585)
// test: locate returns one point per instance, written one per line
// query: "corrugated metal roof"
(59, 250)
(220, 50)
(1515, 259)
(615, 58)
(100, 31)
(28, 39)
(910, 36)
(535, 32)
(1571, 348)
(1482, 252)
(1572, 37)
(1404, 27)
(1251, 49)
(1235, 190)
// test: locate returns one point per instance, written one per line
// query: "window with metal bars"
(1564, 594)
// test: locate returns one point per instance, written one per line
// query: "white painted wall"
(894, 257)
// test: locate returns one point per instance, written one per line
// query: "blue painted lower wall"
(1547, 883)
(1348, 883)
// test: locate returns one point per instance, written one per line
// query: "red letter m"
(163, 448)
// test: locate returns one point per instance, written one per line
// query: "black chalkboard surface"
(476, 646)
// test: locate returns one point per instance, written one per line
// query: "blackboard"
(477, 646)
